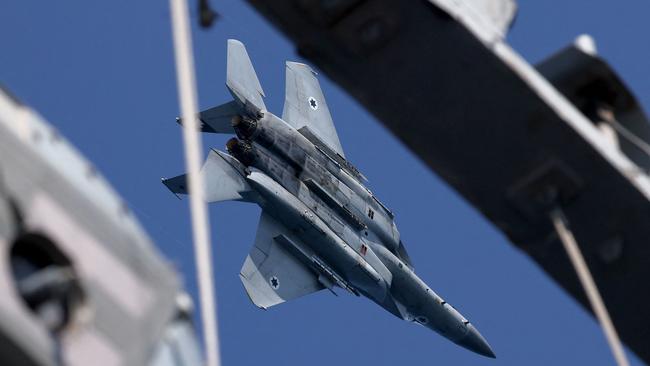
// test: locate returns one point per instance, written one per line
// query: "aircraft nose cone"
(475, 342)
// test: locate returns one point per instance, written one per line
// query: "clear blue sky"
(103, 73)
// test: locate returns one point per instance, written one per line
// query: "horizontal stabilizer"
(218, 119)
(224, 179)
(272, 274)
(178, 184)
(242, 81)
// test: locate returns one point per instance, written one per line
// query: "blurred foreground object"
(80, 281)
(207, 16)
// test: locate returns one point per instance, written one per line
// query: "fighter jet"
(320, 226)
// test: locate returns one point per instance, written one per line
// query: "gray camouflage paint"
(320, 226)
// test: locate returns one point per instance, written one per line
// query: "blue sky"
(102, 72)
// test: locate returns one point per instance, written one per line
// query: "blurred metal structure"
(440, 75)
(81, 282)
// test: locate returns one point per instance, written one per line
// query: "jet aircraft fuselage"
(350, 235)
(320, 226)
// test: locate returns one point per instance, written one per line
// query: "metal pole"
(193, 151)
(587, 281)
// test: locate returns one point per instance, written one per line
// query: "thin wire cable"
(193, 147)
(631, 137)
(587, 281)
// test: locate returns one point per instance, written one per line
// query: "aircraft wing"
(272, 275)
(305, 106)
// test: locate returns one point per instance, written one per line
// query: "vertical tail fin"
(242, 81)
(304, 105)
(245, 88)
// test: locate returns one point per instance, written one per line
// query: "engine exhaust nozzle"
(244, 127)
(241, 150)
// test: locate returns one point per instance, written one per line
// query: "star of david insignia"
(275, 283)
(313, 103)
